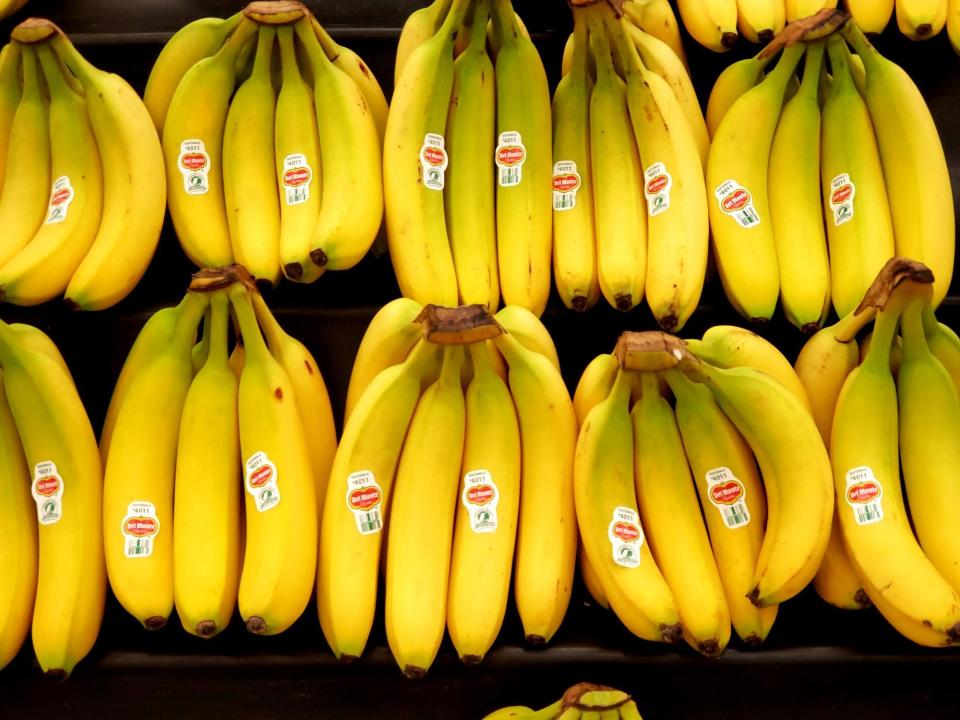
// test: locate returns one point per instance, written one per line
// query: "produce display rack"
(818, 660)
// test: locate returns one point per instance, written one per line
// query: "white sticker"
(297, 176)
(736, 202)
(194, 164)
(728, 496)
(47, 490)
(864, 494)
(433, 161)
(61, 195)
(626, 537)
(261, 481)
(842, 191)
(566, 182)
(656, 187)
(139, 528)
(510, 155)
(480, 498)
(365, 500)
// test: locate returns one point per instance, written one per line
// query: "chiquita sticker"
(566, 183)
(657, 184)
(297, 176)
(433, 161)
(261, 481)
(626, 537)
(509, 156)
(365, 500)
(842, 191)
(480, 498)
(194, 164)
(728, 496)
(736, 202)
(61, 195)
(140, 527)
(864, 495)
(47, 491)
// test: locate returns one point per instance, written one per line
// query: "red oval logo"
(657, 184)
(364, 498)
(736, 201)
(60, 196)
(628, 532)
(510, 155)
(296, 177)
(726, 493)
(141, 526)
(863, 492)
(261, 476)
(434, 156)
(566, 183)
(480, 494)
(194, 161)
(841, 194)
(48, 486)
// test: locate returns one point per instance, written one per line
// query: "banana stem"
(911, 325)
(289, 70)
(454, 19)
(847, 328)
(504, 21)
(440, 8)
(812, 65)
(839, 65)
(480, 357)
(884, 330)
(478, 29)
(52, 71)
(329, 45)
(250, 331)
(318, 59)
(268, 323)
(216, 328)
(262, 61)
(629, 55)
(231, 49)
(600, 46)
(581, 48)
(649, 384)
(31, 74)
(786, 65)
(622, 387)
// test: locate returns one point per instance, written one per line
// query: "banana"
(677, 224)
(896, 351)
(953, 24)
(872, 16)
(10, 7)
(921, 19)
(712, 23)
(574, 230)
(469, 192)
(610, 525)
(188, 46)
(618, 183)
(798, 9)
(527, 328)
(728, 346)
(547, 535)
(18, 541)
(354, 512)
(298, 164)
(486, 517)
(414, 163)
(629, 711)
(796, 473)
(279, 562)
(656, 18)
(387, 341)
(59, 445)
(944, 344)
(879, 539)
(32, 338)
(837, 582)
(759, 21)
(310, 391)
(855, 200)
(206, 504)
(25, 198)
(419, 27)
(352, 205)
(422, 515)
(795, 211)
(138, 485)
(192, 149)
(249, 168)
(594, 386)
(673, 523)
(737, 176)
(735, 80)
(10, 59)
(524, 166)
(914, 166)
(495, 34)
(732, 498)
(134, 190)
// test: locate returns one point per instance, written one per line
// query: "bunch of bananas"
(629, 201)
(190, 428)
(584, 701)
(917, 19)
(810, 198)
(880, 413)
(272, 165)
(455, 464)
(466, 165)
(715, 24)
(82, 188)
(641, 462)
(50, 542)
(9, 7)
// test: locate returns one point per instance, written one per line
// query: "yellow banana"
(206, 504)
(656, 17)
(419, 27)
(527, 328)
(732, 498)
(59, 445)
(249, 168)
(837, 582)
(944, 344)
(953, 24)
(192, 149)
(524, 166)
(795, 211)
(798, 9)
(871, 15)
(279, 562)
(594, 385)
(139, 473)
(469, 192)
(547, 535)
(759, 21)
(735, 80)
(712, 23)
(921, 19)
(354, 512)
(10, 60)
(32, 338)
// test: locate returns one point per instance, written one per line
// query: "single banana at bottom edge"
(736, 79)
(354, 512)
(59, 445)
(207, 513)
(712, 24)
(921, 19)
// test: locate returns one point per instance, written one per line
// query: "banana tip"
(624, 303)
(729, 39)
(765, 36)
(154, 623)
(536, 640)
(294, 271)
(257, 625)
(753, 641)
(760, 322)
(206, 628)
(579, 303)
(754, 597)
(671, 633)
(710, 648)
(71, 305)
(413, 672)
(57, 674)
(924, 30)
(953, 633)
(319, 257)
(348, 659)
(810, 328)
(471, 659)
(861, 598)
(669, 323)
